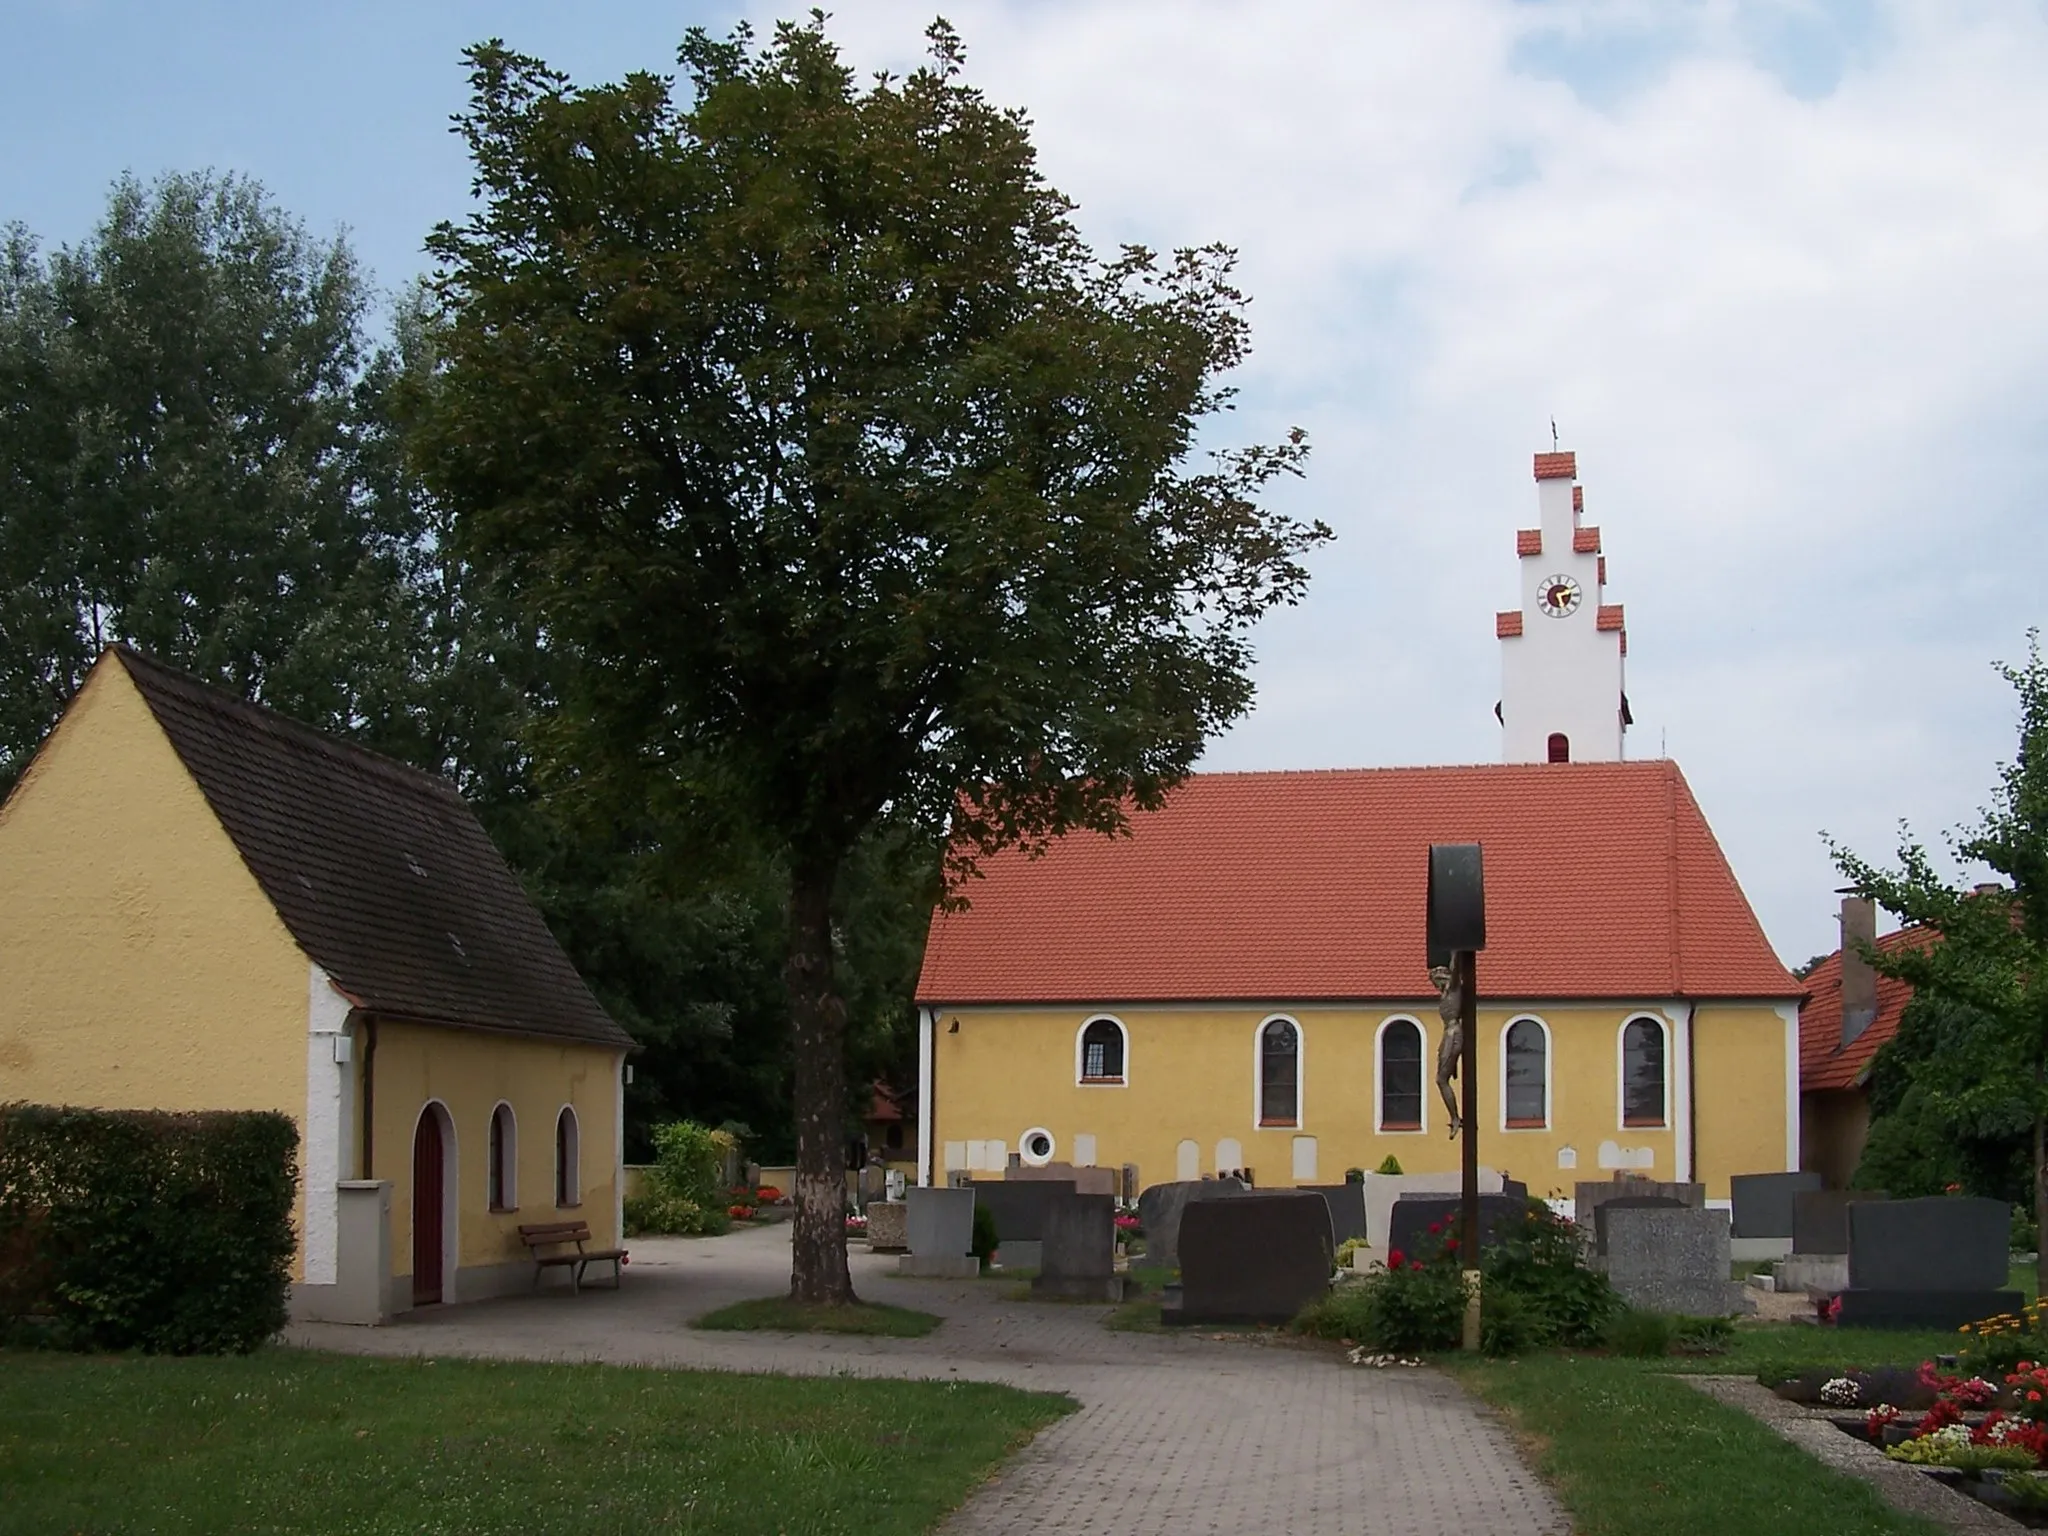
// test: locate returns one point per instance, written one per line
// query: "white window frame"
(1032, 1159)
(1300, 1121)
(1081, 1079)
(508, 1193)
(1549, 1080)
(573, 1184)
(1379, 1067)
(1621, 1071)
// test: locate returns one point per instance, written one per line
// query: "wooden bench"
(541, 1237)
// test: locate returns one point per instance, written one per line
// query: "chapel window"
(1279, 1073)
(1401, 1076)
(1642, 1073)
(568, 1154)
(1528, 1052)
(1102, 1052)
(499, 1151)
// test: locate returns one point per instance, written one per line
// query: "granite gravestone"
(940, 1225)
(1588, 1195)
(1019, 1207)
(1671, 1258)
(1762, 1202)
(1258, 1258)
(1628, 1203)
(888, 1227)
(1937, 1262)
(1077, 1252)
(1161, 1207)
(1408, 1225)
(1347, 1208)
(1086, 1181)
(1820, 1218)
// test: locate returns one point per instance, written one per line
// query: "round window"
(1036, 1147)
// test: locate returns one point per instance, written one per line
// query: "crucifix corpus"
(1456, 934)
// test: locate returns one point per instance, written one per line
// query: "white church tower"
(1561, 696)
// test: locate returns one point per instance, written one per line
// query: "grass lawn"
(291, 1441)
(1795, 1346)
(1632, 1452)
(778, 1314)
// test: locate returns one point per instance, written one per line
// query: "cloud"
(1773, 268)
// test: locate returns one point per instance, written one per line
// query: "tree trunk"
(817, 1270)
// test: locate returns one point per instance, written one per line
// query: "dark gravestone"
(1160, 1209)
(1820, 1218)
(1077, 1256)
(1514, 1189)
(1347, 1208)
(1937, 1262)
(1762, 1202)
(1019, 1205)
(1589, 1194)
(1602, 1222)
(1258, 1258)
(1413, 1215)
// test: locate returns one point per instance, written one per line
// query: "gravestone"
(1382, 1190)
(1671, 1258)
(1628, 1203)
(1588, 1195)
(1078, 1251)
(1820, 1218)
(888, 1227)
(1413, 1215)
(1347, 1208)
(1255, 1258)
(1936, 1262)
(1762, 1202)
(1086, 1181)
(1161, 1208)
(1019, 1207)
(941, 1234)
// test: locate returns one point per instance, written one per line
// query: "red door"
(426, 1210)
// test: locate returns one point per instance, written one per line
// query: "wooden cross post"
(1456, 934)
(1468, 1071)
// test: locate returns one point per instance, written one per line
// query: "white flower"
(1841, 1393)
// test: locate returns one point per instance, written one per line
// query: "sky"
(1774, 270)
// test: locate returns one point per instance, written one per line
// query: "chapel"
(1241, 983)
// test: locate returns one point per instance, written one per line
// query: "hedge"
(140, 1229)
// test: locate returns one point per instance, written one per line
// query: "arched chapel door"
(427, 1201)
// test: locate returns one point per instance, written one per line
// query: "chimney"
(1859, 981)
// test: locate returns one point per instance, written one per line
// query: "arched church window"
(1102, 1051)
(500, 1159)
(1401, 1076)
(1642, 1073)
(1527, 1054)
(568, 1159)
(1279, 1073)
(1560, 747)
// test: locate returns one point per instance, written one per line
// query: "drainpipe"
(926, 1106)
(369, 1021)
(1692, 1101)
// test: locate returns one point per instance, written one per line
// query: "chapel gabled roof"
(1603, 880)
(381, 873)
(1824, 1062)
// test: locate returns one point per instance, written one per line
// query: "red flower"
(1436, 1226)
(1396, 1258)
(1450, 1245)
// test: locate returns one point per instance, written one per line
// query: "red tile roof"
(1609, 617)
(1507, 624)
(1586, 541)
(1603, 880)
(1529, 541)
(1578, 498)
(1823, 1060)
(1557, 466)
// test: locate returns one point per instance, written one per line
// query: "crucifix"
(1456, 933)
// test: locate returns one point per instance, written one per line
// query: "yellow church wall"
(1741, 1053)
(141, 965)
(1190, 1073)
(470, 1072)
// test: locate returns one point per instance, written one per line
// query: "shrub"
(1388, 1164)
(659, 1214)
(1704, 1335)
(1354, 1175)
(1644, 1335)
(139, 1229)
(689, 1161)
(2026, 1237)
(1345, 1249)
(1404, 1309)
(983, 1241)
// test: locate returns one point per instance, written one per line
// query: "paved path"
(1177, 1434)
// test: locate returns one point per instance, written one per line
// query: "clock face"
(1558, 596)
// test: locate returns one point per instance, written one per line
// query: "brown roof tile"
(1507, 624)
(1557, 466)
(1609, 617)
(1824, 1062)
(381, 873)
(1586, 541)
(1529, 541)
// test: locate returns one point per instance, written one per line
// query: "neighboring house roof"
(1602, 880)
(381, 873)
(1824, 1062)
(888, 1104)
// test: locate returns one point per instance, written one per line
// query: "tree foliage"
(1986, 971)
(855, 488)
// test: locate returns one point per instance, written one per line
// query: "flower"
(1841, 1392)
(1396, 1258)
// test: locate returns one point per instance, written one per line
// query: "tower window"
(1560, 747)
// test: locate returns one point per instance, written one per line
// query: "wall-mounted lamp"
(629, 1074)
(954, 1027)
(344, 1050)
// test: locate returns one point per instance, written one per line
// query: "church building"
(1241, 983)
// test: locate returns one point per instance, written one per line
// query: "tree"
(195, 459)
(854, 488)
(1928, 1129)
(1991, 957)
